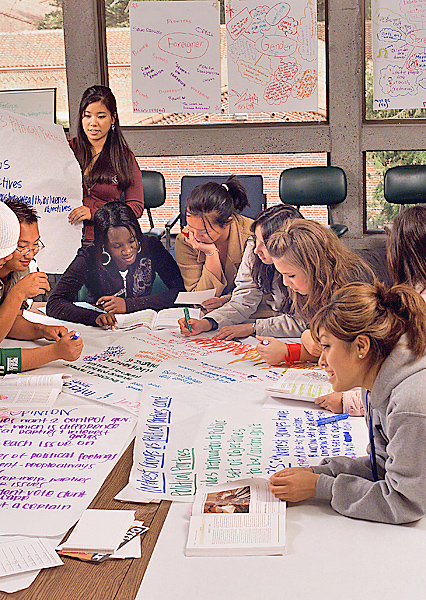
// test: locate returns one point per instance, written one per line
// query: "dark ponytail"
(223, 200)
(382, 314)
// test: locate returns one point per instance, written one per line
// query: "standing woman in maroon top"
(108, 165)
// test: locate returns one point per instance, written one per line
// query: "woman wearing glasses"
(118, 270)
(18, 284)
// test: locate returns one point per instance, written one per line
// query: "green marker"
(188, 324)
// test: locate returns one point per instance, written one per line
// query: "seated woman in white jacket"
(257, 278)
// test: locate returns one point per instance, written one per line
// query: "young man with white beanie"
(13, 360)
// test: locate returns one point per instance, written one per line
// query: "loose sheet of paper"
(26, 554)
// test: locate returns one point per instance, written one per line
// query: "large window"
(32, 52)
(119, 53)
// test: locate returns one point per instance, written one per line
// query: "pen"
(116, 294)
(188, 324)
(332, 419)
(75, 336)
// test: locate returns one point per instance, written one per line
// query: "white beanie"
(9, 230)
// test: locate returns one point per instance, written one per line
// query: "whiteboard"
(36, 104)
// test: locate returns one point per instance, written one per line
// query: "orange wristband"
(293, 355)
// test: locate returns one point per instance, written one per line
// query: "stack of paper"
(103, 534)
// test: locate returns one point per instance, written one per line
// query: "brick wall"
(268, 165)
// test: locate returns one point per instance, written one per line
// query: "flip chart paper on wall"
(175, 57)
(177, 450)
(52, 464)
(399, 53)
(37, 165)
(272, 52)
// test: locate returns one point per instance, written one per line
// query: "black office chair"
(405, 184)
(154, 195)
(309, 186)
(252, 183)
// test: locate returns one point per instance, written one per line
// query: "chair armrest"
(172, 221)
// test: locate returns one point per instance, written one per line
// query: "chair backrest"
(306, 186)
(154, 191)
(405, 184)
(252, 183)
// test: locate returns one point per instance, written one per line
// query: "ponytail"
(382, 314)
(223, 200)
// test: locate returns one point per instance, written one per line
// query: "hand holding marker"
(75, 335)
(188, 324)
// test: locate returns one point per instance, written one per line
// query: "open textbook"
(30, 391)
(239, 518)
(301, 384)
(163, 319)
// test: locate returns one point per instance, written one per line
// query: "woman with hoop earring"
(118, 271)
(108, 165)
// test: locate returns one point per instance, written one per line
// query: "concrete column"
(85, 48)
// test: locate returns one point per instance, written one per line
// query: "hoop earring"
(104, 252)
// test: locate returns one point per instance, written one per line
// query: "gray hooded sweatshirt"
(398, 400)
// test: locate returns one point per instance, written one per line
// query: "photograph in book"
(239, 519)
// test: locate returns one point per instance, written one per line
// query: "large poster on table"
(272, 50)
(399, 53)
(37, 165)
(175, 57)
(184, 440)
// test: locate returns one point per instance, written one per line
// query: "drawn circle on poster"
(184, 45)
(276, 45)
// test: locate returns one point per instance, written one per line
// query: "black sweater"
(106, 281)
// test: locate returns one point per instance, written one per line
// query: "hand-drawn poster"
(180, 446)
(272, 51)
(175, 57)
(399, 53)
(38, 166)
(52, 464)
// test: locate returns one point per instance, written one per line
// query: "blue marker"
(332, 419)
(75, 336)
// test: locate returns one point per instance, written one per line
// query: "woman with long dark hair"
(118, 270)
(109, 167)
(257, 278)
(210, 248)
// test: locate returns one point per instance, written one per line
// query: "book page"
(142, 317)
(302, 384)
(35, 398)
(248, 534)
(49, 381)
(241, 496)
(168, 317)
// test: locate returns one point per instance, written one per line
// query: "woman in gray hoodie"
(373, 338)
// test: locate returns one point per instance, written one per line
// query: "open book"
(241, 518)
(163, 319)
(32, 391)
(301, 384)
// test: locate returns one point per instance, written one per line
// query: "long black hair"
(223, 201)
(114, 214)
(115, 157)
(269, 221)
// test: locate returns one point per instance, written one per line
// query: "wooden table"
(112, 579)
